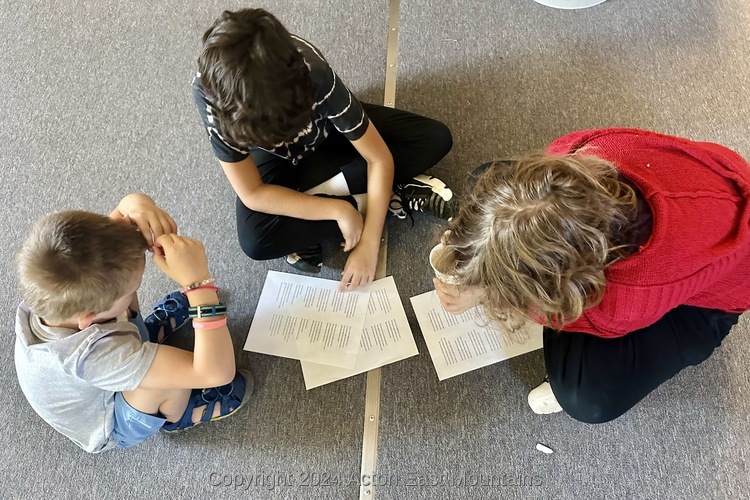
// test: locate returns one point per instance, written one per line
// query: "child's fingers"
(169, 224)
(145, 230)
(159, 226)
(162, 223)
(166, 241)
(345, 280)
(355, 283)
(160, 260)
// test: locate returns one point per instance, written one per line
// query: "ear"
(85, 320)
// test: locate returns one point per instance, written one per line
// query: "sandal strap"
(186, 420)
(229, 397)
(175, 306)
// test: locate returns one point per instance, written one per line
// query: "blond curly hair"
(537, 235)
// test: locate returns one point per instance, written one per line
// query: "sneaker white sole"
(292, 258)
(543, 401)
(437, 186)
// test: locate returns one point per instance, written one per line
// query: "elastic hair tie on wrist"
(201, 287)
(210, 325)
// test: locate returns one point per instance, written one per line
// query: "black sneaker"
(425, 194)
(309, 260)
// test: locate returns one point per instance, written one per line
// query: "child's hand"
(351, 224)
(360, 266)
(141, 211)
(182, 259)
(457, 299)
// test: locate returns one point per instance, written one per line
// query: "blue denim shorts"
(132, 426)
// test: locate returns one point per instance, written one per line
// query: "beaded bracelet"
(210, 325)
(202, 287)
(207, 311)
(209, 281)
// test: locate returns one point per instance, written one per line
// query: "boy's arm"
(212, 362)
(278, 200)
(360, 266)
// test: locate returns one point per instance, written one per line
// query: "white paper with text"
(386, 338)
(459, 344)
(306, 318)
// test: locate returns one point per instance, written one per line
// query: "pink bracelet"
(210, 325)
(202, 287)
(209, 281)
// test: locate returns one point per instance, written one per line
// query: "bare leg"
(170, 403)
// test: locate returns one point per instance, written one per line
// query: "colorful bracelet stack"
(206, 311)
(212, 311)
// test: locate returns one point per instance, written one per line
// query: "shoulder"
(113, 356)
(574, 141)
(312, 55)
(322, 75)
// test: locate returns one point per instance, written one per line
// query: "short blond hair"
(77, 262)
(538, 234)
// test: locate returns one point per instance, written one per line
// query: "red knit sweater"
(699, 250)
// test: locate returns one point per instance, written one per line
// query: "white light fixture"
(570, 4)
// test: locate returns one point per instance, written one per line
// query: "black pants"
(416, 143)
(596, 379)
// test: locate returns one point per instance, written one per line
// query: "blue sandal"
(172, 306)
(230, 398)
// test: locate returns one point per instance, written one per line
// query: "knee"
(252, 249)
(591, 405)
(252, 245)
(440, 137)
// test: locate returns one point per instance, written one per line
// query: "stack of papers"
(335, 335)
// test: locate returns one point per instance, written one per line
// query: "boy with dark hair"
(303, 154)
(83, 355)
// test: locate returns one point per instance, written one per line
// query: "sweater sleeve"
(569, 143)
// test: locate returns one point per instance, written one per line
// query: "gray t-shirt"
(70, 377)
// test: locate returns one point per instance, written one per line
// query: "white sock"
(335, 186)
(361, 200)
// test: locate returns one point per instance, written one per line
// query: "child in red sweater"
(631, 247)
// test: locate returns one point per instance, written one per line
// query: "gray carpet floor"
(97, 104)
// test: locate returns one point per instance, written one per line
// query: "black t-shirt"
(335, 109)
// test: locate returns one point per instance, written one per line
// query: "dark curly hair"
(256, 79)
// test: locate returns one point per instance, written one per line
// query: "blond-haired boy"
(82, 353)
